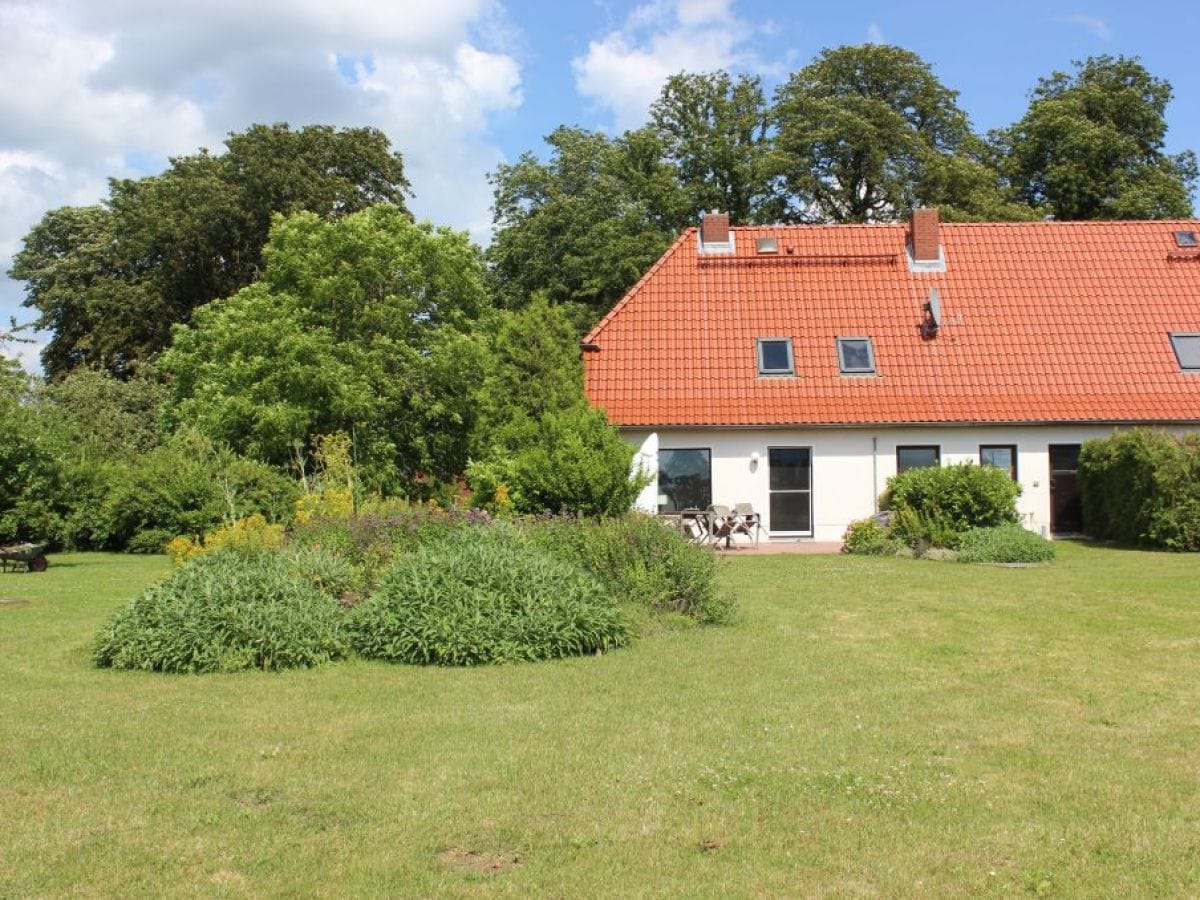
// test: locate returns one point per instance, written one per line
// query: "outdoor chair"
(720, 524)
(746, 521)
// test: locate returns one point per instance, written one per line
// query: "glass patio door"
(791, 490)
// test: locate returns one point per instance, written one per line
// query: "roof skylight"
(1187, 350)
(775, 356)
(1186, 239)
(856, 356)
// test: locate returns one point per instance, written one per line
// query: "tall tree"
(109, 281)
(1090, 146)
(365, 325)
(583, 226)
(867, 132)
(714, 130)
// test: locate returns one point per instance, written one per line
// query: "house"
(799, 367)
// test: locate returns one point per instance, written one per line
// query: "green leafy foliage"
(1142, 486)
(870, 537)
(31, 476)
(485, 596)
(642, 561)
(715, 133)
(575, 462)
(110, 280)
(1004, 544)
(953, 498)
(366, 325)
(865, 133)
(226, 612)
(583, 226)
(1090, 146)
(187, 486)
(372, 537)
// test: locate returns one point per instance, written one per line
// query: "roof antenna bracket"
(932, 320)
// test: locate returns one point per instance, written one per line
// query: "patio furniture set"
(720, 524)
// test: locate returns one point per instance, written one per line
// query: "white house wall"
(851, 466)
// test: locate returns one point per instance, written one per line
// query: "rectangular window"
(917, 457)
(791, 490)
(856, 356)
(1186, 239)
(775, 356)
(1187, 350)
(684, 479)
(1002, 456)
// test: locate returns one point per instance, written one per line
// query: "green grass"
(876, 727)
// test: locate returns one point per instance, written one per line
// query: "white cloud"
(114, 88)
(1094, 24)
(624, 71)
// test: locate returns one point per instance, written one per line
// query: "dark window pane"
(791, 511)
(775, 356)
(1064, 457)
(916, 458)
(790, 468)
(1187, 350)
(684, 479)
(856, 355)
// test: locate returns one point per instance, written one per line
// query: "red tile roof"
(1042, 322)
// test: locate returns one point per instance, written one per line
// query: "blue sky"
(91, 90)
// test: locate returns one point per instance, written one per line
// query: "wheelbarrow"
(23, 557)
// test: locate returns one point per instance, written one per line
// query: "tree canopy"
(365, 325)
(109, 281)
(714, 130)
(1090, 146)
(584, 225)
(865, 133)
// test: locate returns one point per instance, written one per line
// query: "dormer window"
(775, 356)
(1187, 350)
(856, 356)
(1186, 239)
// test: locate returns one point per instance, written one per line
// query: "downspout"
(875, 473)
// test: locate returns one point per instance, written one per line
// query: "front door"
(1066, 512)
(791, 490)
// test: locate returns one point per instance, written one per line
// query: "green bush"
(575, 462)
(330, 573)
(1004, 544)
(948, 500)
(369, 539)
(870, 537)
(485, 596)
(1142, 486)
(641, 561)
(225, 612)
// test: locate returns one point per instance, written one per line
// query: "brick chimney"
(925, 237)
(714, 228)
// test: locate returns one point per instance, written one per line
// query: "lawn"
(869, 727)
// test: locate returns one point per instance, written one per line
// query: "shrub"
(575, 462)
(369, 539)
(1142, 486)
(485, 596)
(920, 531)
(225, 612)
(641, 561)
(870, 537)
(185, 487)
(326, 571)
(948, 500)
(251, 536)
(1004, 544)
